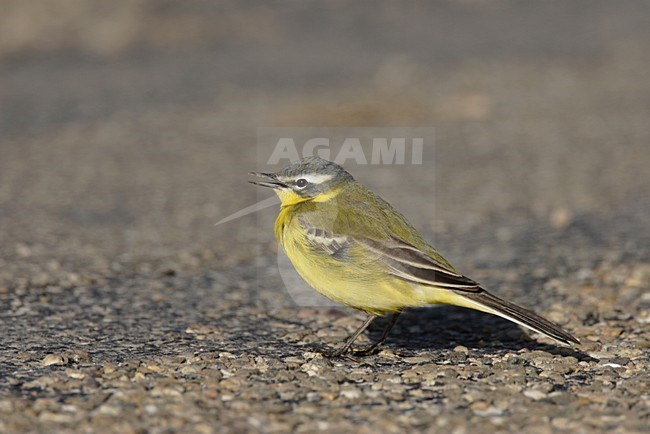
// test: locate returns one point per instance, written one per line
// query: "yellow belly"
(361, 282)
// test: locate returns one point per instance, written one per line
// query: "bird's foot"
(342, 351)
(338, 352)
(332, 354)
(369, 351)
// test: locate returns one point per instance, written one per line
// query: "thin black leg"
(348, 343)
(371, 349)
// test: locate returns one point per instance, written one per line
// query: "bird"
(354, 248)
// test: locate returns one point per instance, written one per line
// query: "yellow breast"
(360, 282)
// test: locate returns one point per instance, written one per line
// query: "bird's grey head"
(308, 177)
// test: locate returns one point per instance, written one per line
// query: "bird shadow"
(446, 327)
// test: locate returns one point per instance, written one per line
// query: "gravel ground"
(126, 133)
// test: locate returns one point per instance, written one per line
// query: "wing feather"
(410, 263)
(402, 259)
(327, 242)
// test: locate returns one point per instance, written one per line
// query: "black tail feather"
(520, 315)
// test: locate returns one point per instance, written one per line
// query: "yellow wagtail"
(355, 249)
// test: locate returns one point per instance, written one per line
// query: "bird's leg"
(348, 343)
(371, 349)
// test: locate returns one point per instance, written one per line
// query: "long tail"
(489, 303)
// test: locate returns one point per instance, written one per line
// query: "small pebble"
(54, 359)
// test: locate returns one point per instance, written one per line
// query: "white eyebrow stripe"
(312, 178)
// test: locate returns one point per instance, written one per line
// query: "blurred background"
(127, 128)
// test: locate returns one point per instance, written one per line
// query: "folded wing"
(410, 263)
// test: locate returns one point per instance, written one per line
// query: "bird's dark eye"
(301, 183)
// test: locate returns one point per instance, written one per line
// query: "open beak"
(270, 180)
